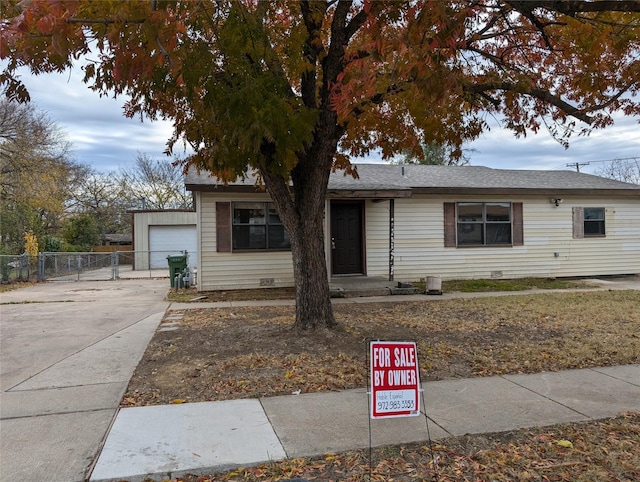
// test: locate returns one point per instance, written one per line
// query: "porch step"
(367, 292)
(355, 293)
(405, 291)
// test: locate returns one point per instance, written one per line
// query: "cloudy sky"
(103, 138)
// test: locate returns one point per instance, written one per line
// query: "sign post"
(395, 379)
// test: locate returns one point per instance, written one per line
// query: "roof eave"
(221, 188)
(406, 193)
(368, 193)
(526, 191)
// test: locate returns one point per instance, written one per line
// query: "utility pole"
(577, 165)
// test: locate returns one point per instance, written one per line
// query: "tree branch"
(575, 6)
(312, 49)
(543, 95)
(104, 21)
(379, 98)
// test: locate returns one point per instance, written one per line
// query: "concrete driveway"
(67, 352)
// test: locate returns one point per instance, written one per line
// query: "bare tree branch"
(572, 7)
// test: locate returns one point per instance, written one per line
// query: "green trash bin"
(177, 265)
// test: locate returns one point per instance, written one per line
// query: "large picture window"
(258, 226)
(482, 224)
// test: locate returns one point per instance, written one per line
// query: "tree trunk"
(302, 211)
(313, 300)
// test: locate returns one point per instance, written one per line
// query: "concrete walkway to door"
(67, 352)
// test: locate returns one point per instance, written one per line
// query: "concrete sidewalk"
(373, 285)
(201, 438)
(67, 353)
(68, 350)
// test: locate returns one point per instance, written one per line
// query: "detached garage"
(158, 234)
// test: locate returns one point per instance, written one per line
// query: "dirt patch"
(218, 354)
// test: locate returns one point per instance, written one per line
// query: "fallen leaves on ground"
(218, 354)
(607, 450)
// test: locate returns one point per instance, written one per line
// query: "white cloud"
(499, 148)
(96, 126)
(104, 138)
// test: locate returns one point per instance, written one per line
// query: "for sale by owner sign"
(395, 379)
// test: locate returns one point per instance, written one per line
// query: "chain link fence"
(18, 268)
(87, 266)
(77, 266)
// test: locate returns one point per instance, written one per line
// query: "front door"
(346, 238)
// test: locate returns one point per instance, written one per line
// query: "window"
(593, 222)
(483, 224)
(258, 226)
(588, 222)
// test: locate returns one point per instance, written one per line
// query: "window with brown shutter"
(483, 224)
(588, 222)
(245, 226)
(257, 226)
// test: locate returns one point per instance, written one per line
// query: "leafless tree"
(154, 184)
(627, 170)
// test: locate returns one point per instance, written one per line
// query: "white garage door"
(168, 240)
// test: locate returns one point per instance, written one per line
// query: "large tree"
(154, 184)
(144, 184)
(292, 89)
(35, 169)
(103, 196)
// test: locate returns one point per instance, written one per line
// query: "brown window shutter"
(223, 227)
(517, 222)
(449, 225)
(578, 223)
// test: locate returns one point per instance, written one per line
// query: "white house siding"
(222, 271)
(377, 236)
(420, 251)
(143, 221)
(419, 244)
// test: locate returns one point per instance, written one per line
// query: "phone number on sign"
(395, 401)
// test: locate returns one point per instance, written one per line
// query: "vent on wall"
(267, 282)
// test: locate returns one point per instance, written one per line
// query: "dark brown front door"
(346, 238)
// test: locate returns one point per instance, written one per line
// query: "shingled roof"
(404, 180)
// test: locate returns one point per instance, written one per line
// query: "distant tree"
(146, 184)
(434, 154)
(35, 169)
(80, 233)
(52, 244)
(154, 184)
(104, 196)
(627, 170)
(290, 90)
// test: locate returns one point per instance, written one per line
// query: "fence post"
(23, 263)
(4, 268)
(114, 266)
(41, 267)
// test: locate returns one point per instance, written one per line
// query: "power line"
(577, 165)
(637, 158)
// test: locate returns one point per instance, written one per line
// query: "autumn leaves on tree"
(295, 89)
